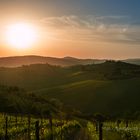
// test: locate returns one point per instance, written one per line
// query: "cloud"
(93, 28)
(64, 22)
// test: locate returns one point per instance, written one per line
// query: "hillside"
(17, 61)
(110, 87)
(133, 61)
(38, 76)
(99, 96)
(17, 100)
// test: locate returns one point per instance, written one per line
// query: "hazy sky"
(80, 28)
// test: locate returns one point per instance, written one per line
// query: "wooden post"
(21, 118)
(118, 123)
(6, 128)
(37, 130)
(61, 135)
(100, 131)
(96, 126)
(51, 127)
(127, 122)
(16, 121)
(29, 126)
(100, 119)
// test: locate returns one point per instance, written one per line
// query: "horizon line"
(68, 56)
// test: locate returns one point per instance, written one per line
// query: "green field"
(98, 96)
(66, 101)
(109, 88)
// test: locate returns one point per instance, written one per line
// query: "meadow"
(86, 102)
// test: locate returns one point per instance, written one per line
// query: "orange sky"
(71, 32)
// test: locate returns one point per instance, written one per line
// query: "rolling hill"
(17, 100)
(17, 61)
(133, 61)
(98, 96)
(109, 87)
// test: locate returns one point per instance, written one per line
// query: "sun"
(21, 35)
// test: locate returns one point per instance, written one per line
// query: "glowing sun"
(21, 35)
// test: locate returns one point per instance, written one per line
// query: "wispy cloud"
(93, 28)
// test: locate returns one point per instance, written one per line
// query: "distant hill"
(17, 61)
(109, 87)
(36, 76)
(133, 61)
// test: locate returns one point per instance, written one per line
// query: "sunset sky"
(79, 28)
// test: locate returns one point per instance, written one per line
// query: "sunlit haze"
(84, 29)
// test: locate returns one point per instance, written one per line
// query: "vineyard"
(14, 127)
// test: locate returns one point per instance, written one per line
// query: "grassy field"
(98, 96)
(110, 87)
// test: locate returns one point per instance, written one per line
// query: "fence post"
(51, 127)
(100, 119)
(6, 128)
(37, 130)
(29, 126)
(126, 123)
(16, 121)
(118, 123)
(96, 126)
(100, 131)
(61, 135)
